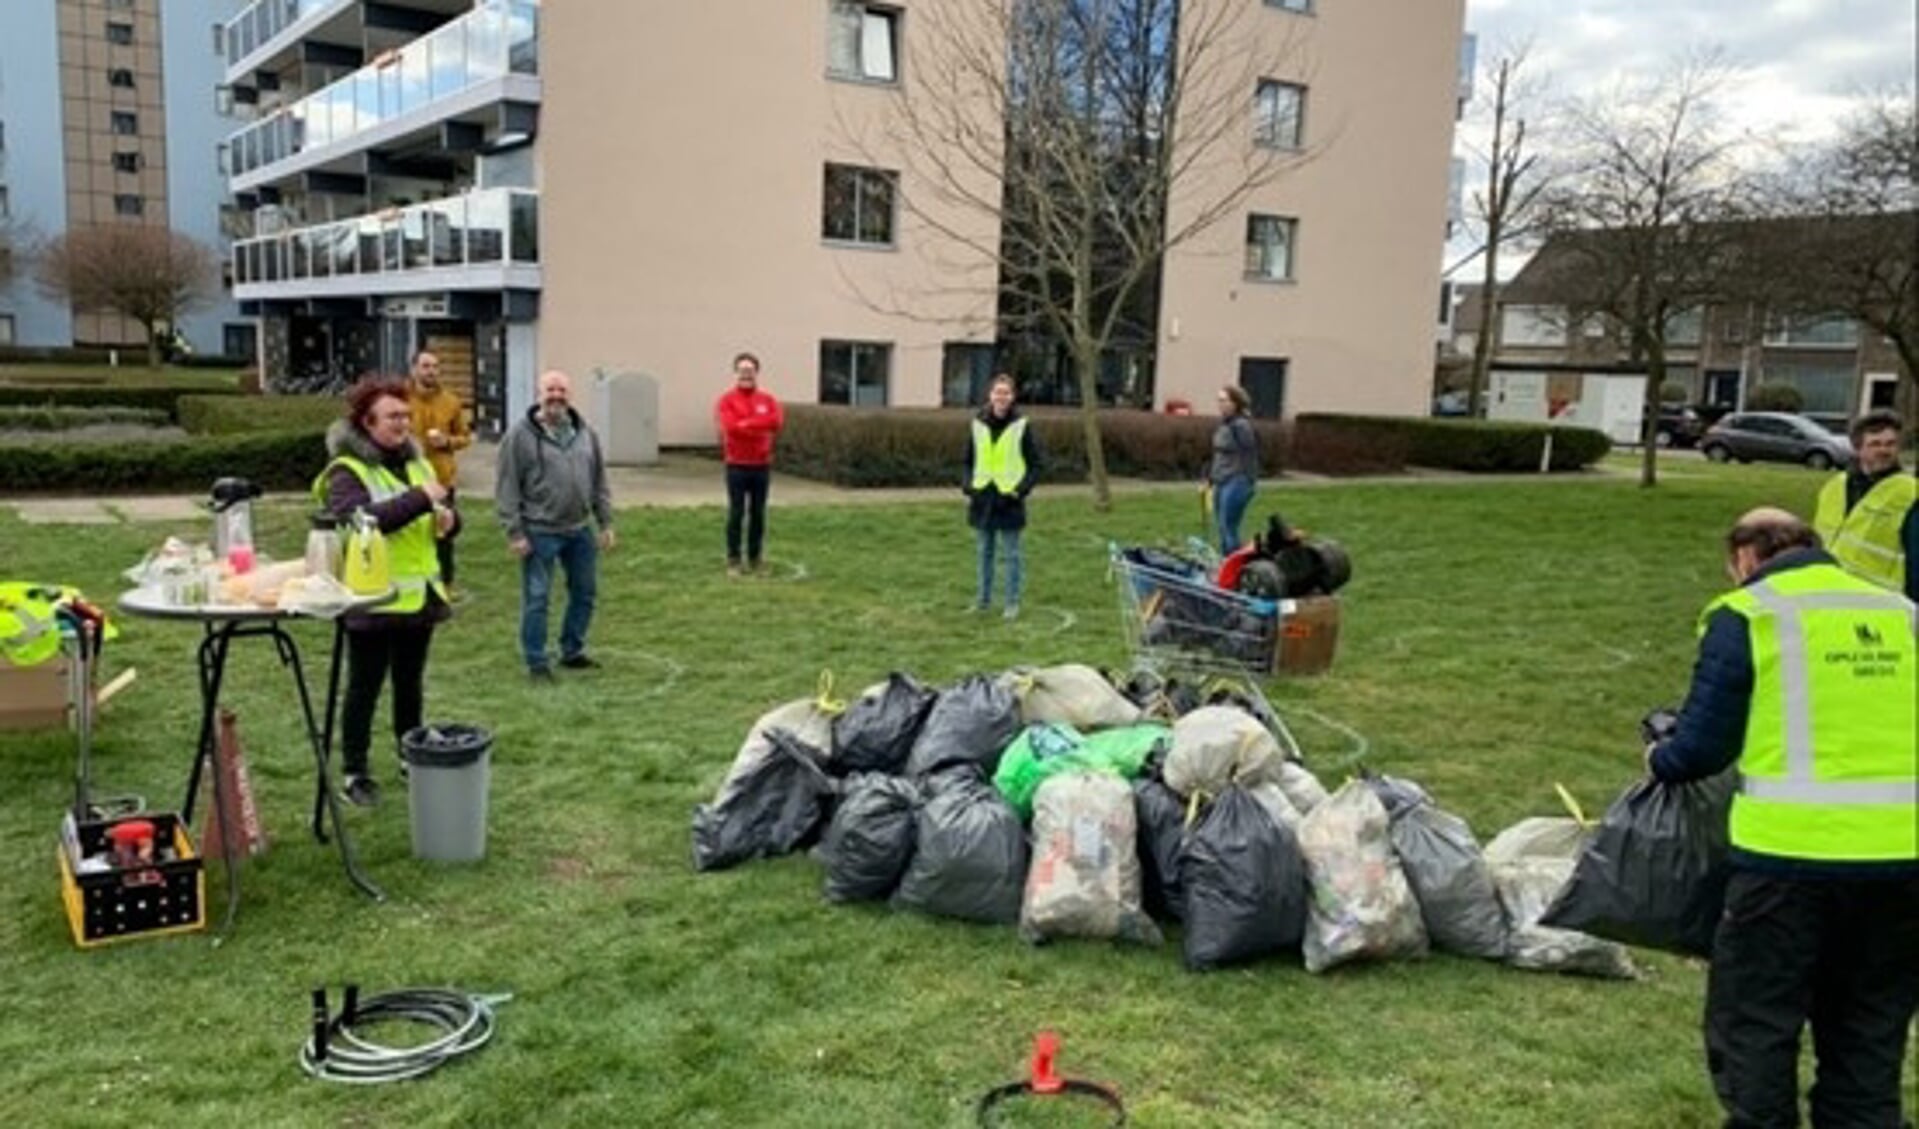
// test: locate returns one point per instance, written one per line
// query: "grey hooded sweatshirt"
(545, 486)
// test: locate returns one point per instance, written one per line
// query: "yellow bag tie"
(1193, 803)
(823, 699)
(1572, 807)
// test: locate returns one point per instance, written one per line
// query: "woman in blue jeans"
(1002, 463)
(1234, 473)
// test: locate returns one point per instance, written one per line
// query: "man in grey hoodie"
(551, 493)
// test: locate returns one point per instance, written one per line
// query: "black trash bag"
(969, 853)
(1162, 824)
(1396, 794)
(971, 724)
(1654, 871)
(775, 808)
(877, 731)
(870, 839)
(1245, 883)
(1457, 897)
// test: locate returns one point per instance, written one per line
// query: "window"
(1302, 6)
(1532, 325)
(125, 124)
(1816, 333)
(1279, 110)
(1269, 247)
(859, 205)
(126, 205)
(6, 203)
(966, 372)
(126, 162)
(119, 33)
(860, 42)
(1826, 387)
(854, 372)
(1684, 327)
(120, 77)
(220, 40)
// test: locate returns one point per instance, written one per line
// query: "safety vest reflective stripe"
(1001, 462)
(1866, 539)
(1795, 682)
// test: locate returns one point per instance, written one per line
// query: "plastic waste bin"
(449, 768)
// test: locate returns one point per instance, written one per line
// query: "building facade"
(634, 187)
(109, 115)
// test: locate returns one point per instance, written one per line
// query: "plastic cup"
(240, 557)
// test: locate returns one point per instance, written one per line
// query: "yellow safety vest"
(1828, 770)
(999, 463)
(411, 553)
(1866, 540)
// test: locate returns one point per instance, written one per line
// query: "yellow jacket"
(439, 411)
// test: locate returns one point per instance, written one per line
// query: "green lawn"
(132, 372)
(1498, 638)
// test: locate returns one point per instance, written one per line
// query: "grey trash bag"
(803, 719)
(1161, 817)
(1526, 887)
(1075, 695)
(972, 723)
(870, 839)
(1084, 880)
(1215, 746)
(1397, 794)
(1449, 876)
(774, 810)
(1362, 906)
(969, 853)
(1245, 884)
(877, 731)
(1654, 871)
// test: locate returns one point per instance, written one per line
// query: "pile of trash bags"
(1070, 804)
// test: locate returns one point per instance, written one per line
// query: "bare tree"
(149, 274)
(1643, 224)
(1847, 238)
(1506, 210)
(1071, 144)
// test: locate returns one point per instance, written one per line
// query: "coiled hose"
(335, 1053)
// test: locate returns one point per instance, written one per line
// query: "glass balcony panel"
(340, 247)
(413, 228)
(446, 231)
(366, 99)
(367, 235)
(524, 222)
(415, 79)
(240, 263)
(486, 217)
(344, 123)
(252, 149)
(448, 60)
(486, 44)
(523, 37)
(297, 255)
(320, 252)
(270, 259)
(389, 245)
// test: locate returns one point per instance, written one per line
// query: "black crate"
(118, 904)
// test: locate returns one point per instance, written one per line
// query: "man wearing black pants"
(748, 420)
(1806, 680)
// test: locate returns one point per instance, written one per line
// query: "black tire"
(1717, 452)
(1818, 460)
(1663, 438)
(1262, 579)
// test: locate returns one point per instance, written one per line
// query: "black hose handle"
(350, 1011)
(321, 1021)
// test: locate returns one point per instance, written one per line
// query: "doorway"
(1264, 379)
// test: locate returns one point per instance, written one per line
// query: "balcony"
(265, 26)
(483, 240)
(464, 67)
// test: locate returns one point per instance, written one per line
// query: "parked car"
(1678, 426)
(1775, 437)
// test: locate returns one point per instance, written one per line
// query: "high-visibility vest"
(1866, 540)
(1830, 768)
(1001, 462)
(411, 553)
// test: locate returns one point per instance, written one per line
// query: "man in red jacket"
(748, 420)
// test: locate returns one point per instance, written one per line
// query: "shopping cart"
(1181, 627)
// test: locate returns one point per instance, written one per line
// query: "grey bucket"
(449, 768)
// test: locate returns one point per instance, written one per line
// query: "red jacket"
(748, 421)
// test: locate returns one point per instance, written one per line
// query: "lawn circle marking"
(672, 670)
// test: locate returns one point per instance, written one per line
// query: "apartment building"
(108, 114)
(637, 187)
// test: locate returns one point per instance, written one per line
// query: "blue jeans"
(1009, 540)
(1230, 499)
(578, 554)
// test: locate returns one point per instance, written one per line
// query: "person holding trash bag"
(1002, 464)
(1234, 472)
(378, 468)
(1807, 678)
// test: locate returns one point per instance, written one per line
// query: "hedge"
(927, 446)
(285, 460)
(59, 354)
(156, 397)
(1369, 444)
(62, 419)
(239, 415)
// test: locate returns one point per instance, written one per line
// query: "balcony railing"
(497, 38)
(259, 22)
(493, 227)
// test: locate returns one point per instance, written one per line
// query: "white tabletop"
(152, 603)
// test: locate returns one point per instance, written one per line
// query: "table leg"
(213, 665)
(326, 732)
(322, 743)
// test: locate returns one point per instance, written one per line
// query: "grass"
(1498, 638)
(131, 373)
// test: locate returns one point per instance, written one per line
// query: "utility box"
(626, 407)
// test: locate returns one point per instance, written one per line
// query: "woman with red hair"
(378, 469)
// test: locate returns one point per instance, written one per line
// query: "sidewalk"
(681, 480)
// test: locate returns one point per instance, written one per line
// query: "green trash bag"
(1044, 751)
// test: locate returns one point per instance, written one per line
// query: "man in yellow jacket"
(440, 425)
(1866, 514)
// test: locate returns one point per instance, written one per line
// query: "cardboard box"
(1308, 634)
(34, 697)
